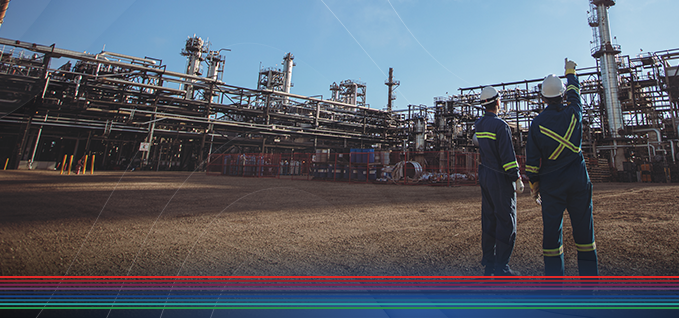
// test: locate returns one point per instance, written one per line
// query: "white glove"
(570, 66)
(535, 192)
(518, 187)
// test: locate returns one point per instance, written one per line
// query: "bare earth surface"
(182, 223)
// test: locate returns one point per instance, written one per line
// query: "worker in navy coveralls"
(500, 180)
(558, 174)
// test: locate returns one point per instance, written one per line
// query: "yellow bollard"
(92, 166)
(6, 162)
(84, 165)
(63, 163)
(70, 165)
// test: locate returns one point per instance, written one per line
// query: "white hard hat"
(488, 94)
(552, 86)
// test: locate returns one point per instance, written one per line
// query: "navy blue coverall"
(498, 171)
(554, 158)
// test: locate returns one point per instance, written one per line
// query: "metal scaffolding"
(647, 86)
(113, 104)
(131, 112)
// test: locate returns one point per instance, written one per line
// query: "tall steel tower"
(287, 71)
(392, 86)
(605, 50)
(194, 51)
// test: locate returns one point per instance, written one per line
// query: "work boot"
(506, 271)
(490, 269)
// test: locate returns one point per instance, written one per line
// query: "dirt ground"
(182, 223)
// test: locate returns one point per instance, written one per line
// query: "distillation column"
(215, 65)
(287, 74)
(287, 71)
(215, 70)
(605, 50)
(392, 85)
(193, 51)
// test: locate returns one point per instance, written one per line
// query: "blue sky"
(435, 47)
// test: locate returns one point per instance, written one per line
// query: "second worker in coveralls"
(500, 180)
(558, 174)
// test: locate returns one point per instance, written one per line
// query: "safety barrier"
(80, 166)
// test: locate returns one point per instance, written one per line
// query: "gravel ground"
(182, 223)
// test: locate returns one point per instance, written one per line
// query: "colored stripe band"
(510, 165)
(586, 247)
(488, 135)
(553, 252)
(532, 169)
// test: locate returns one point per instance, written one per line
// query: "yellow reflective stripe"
(510, 165)
(559, 139)
(563, 141)
(568, 135)
(573, 87)
(556, 152)
(556, 137)
(532, 169)
(586, 247)
(488, 135)
(553, 252)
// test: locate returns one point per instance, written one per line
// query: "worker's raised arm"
(572, 86)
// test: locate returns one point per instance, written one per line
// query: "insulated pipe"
(37, 142)
(659, 141)
(129, 57)
(648, 143)
(656, 130)
(57, 52)
(263, 129)
(375, 110)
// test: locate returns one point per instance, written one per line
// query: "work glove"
(535, 191)
(570, 66)
(518, 186)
